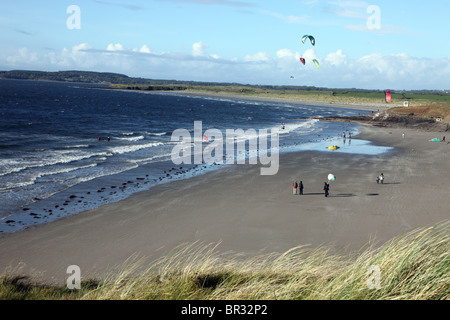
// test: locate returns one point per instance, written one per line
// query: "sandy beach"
(382, 106)
(252, 214)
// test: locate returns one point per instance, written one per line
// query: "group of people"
(380, 178)
(326, 186)
(298, 186)
(100, 138)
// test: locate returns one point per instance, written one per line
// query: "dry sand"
(359, 106)
(253, 214)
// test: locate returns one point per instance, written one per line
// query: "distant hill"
(93, 77)
(72, 76)
(121, 79)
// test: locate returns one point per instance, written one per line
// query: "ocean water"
(67, 148)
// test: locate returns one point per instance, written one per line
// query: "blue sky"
(395, 44)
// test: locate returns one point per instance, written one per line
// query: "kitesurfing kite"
(332, 148)
(313, 42)
(387, 96)
(311, 38)
(316, 63)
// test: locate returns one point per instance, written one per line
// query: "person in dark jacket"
(326, 187)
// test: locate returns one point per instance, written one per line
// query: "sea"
(71, 147)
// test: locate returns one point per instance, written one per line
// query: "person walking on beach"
(326, 187)
(381, 178)
(301, 187)
(294, 190)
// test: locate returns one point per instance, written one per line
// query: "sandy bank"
(359, 106)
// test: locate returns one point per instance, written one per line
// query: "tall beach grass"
(414, 266)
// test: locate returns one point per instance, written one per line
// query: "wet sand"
(252, 214)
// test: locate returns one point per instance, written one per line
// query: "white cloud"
(115, 47)
(198, 49)
(287, 60)
(257, 57)
(310, 54)
(145, 49)
(24, 55)
(336, 58)
(373, 71)
(288, 54)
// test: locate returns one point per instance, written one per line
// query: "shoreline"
(252, 214)
(380, 115)
(358, 106)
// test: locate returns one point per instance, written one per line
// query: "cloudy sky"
(379, 44)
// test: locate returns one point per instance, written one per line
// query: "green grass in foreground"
(413, 266)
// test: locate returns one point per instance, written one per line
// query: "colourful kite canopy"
(302, 60)
(316, 63)
(311, 38)
(387, 96)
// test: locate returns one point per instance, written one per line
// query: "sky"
(379, 44)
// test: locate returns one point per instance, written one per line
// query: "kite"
(316, 63)
(387, 94)
(302, 60)
(311, 38)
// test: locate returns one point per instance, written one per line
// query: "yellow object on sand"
(333, 147)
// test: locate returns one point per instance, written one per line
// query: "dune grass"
(414, 266)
